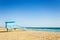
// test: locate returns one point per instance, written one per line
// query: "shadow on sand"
(4, 31)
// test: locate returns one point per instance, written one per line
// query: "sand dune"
(28, 35)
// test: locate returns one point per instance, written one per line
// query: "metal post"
(7, 29)
(6, 26)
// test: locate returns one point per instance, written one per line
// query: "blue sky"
(31, 12)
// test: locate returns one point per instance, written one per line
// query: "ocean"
(48, 29)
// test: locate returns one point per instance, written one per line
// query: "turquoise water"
(49, 29)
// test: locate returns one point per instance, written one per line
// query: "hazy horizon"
(34, 13)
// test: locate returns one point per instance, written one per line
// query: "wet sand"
(28, 35)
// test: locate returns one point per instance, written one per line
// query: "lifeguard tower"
(9, 25)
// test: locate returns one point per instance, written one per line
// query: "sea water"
(49, 29)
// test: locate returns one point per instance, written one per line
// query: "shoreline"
(29, 35)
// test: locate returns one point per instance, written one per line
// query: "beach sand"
(28, 35)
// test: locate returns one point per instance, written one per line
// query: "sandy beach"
(28, 35)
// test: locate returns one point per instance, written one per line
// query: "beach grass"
(28, 35)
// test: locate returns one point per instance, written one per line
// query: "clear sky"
(31, 12)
